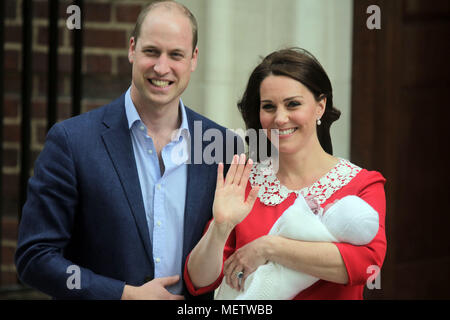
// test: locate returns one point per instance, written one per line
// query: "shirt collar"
(133, 116)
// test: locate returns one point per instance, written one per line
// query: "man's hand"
(152, 290)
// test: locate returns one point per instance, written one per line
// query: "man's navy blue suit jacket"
(84, 207)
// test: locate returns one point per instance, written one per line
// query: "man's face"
(162, 59)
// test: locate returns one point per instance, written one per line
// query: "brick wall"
(106, 74)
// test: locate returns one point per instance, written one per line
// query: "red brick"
(10, 186)
(40, 134)
(8, 254)
(64, 110)
(97, 12)
(65, 62)
(12, 82)
(11, 9)
(38, 110)
(104, 87)
(39, 62)
(11, 60)
(10, 205)
(42, 84)
(40, 9)
(11, 133)
(10, 107)
(10, 227)
(10, 157)
(123, 66)
(88, 106)
(13, 34)
(98, 64)
(8, 278)
(128, 12)
(99, 38)
(42, 36)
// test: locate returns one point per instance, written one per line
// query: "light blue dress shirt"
(164, 196)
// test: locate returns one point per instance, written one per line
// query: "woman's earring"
(319, 122)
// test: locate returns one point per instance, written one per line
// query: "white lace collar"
(272, 192)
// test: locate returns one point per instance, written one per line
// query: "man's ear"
(194, 59)
(131, 50)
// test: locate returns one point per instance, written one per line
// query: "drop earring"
(319, 122)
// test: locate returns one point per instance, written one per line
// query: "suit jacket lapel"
(197, 174)
(117, 141)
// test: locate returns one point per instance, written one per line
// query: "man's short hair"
(169, 5)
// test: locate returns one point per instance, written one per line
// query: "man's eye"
(267, 107)
(177, 55)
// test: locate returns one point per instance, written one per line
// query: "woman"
(290, 96)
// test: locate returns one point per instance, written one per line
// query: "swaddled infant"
(349, 220)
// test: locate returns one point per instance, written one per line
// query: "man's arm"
(46, 229)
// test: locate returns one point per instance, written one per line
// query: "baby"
(349, 220)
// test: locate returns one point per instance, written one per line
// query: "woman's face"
(289, 107)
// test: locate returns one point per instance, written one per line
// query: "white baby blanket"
(350, 220)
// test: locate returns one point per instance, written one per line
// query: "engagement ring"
(240, 275)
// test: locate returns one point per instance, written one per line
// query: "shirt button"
(157, 260)
(158, 186)
(142, 128)
(150, 151)
(158, 223)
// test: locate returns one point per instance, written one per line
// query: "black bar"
(77, 62)
(52, 94)
(2, 75)
(27, 72)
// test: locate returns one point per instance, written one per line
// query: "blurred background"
(389, 67)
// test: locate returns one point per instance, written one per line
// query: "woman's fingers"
(235, 277)
(232, 170)
(239, 169)
(228, 268)
(236, 170)
(232, 268)
(219, 183)
(246, 173)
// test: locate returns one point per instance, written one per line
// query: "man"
(110, 211)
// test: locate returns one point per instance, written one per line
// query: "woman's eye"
(293, 104)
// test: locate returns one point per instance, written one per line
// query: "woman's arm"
(319, 259)
(205, 261)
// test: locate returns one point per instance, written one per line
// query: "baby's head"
(351, 220)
